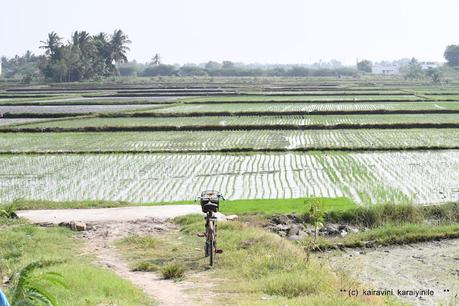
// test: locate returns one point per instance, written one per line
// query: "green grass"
(378, 215)
(88, 284)
(279, 206)
(254, 264)
(264, 206)
(389, 234)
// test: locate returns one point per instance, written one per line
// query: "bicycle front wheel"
(211, 242)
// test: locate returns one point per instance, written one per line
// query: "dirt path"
(111, 224)
(433, 266)
(100, 241)
(109, 214)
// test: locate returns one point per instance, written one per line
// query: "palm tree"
(30, 289)
(81, 40)
(51, 44)
(102, 44)
(156, 60)
(118, 43)
(104, 61)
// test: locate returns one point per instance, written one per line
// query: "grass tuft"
(173, 271)
(142, 242)
(291, 285)
(145, 266)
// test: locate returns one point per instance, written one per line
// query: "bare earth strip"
(57, 216)
(432, 265)
(112, 224)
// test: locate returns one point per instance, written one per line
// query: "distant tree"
(227, 65)
(103, 62)
(52, 44)
(434, 74)
(297, 71)
(192, 71)
(81, 40)
(84, 57)
(278, 71)
(211, 65)
(414, 70)
(452, 55)
(118, 46)
(159, 70)
(129, 69)
(23, 67)
(156, 60)
(364, 66)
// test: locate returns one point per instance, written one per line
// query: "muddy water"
(432, 267)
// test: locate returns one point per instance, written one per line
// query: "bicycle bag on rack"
(210, 201)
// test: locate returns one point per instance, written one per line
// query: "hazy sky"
(263, 31)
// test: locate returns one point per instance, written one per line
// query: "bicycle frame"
(211, 237)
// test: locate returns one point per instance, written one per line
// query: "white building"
(427, 65)
(386, 69)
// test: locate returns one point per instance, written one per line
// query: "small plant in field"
(315, 214)
(173, 271)
(32, 289)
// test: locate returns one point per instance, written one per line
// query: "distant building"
(427, 65)
(386, 69)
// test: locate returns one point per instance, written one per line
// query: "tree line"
(91, 57)
(83, 57)
(229, 69)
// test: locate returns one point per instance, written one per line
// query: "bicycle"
(210, 201)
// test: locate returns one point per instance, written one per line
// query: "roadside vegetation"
(387, 235)
(256, 266)
(27, 249)
(382, 225)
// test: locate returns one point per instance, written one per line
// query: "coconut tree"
(156, 60)
(118, 47)
(81, 40)
(52, 44)
(103, 62)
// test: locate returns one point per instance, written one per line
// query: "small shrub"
(145, 266)
(173, 271)
(8, 211)
(315, 214)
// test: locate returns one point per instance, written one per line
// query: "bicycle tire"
(211, 243)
